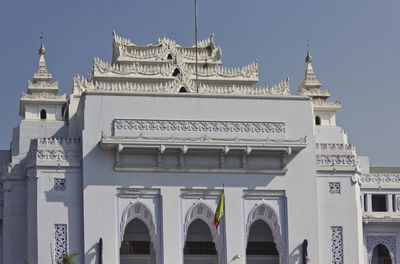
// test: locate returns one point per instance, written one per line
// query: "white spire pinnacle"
(310, 85)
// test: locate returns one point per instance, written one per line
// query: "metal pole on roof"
(195, 32)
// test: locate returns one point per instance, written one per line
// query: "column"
(369, 203)
(389, 203)
(171, 230)
(235, 251)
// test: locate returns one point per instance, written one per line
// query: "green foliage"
(69, 258)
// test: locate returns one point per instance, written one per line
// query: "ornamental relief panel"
(123, 126)
(337, 244)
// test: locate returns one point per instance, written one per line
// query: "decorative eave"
(51, 87)
(185, 145)
(314, 93)
(125, 51)
(383, 217)
(322, 105)
(136, 71)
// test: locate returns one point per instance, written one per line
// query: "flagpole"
(195, 33)
(225, 242)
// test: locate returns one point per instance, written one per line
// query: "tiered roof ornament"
(42, 93)
(311, 86)
(167, 67)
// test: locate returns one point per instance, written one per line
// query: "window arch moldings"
(201, 211)
(388, 241)
(141, 211)
(265, 213)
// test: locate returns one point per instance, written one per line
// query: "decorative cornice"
(199, 126)
(55, 152)
(336, 160)
(380, 178)
(335, 147)
(44, 96)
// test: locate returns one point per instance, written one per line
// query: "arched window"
(136, 247)
(199, 245)
(381, 254)
(261, 247)
(43, 114)
(169, 57)
(176, 72)
(317, 120)
(183, 90)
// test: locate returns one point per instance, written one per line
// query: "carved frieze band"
(59, 155)
(199, 126)
(337, 160)
(380, 178)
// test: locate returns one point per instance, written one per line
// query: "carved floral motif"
(199, 126)
(380, 178)
(337, 160)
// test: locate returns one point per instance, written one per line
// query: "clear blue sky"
(355, 48)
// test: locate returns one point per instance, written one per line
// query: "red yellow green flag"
(220, 210)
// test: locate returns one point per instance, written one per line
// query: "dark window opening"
(199, 248)
(176, 72)
(261, 248)
(209, 49)
(379, 203)
(135, 247)
(365, 203)
(169, 57)
(317, 120)
(183, 90)
(394, 202)
(43, 114)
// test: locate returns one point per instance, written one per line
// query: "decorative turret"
(310, 86)
(324, 112)
(42, 101)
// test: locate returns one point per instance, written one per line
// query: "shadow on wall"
(295, 255)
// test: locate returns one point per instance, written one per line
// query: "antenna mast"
(195, 32)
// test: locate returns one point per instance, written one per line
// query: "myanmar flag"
(220, 210)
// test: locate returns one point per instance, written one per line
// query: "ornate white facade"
(130, 166)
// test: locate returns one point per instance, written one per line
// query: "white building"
(129, 168)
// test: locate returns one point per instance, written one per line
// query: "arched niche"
(204, 213)
(380, 254)
(267, 214)
(388, 241)
(43, 114)
(141, 211)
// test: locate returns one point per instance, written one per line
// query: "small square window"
(59, 184)
(334, 187)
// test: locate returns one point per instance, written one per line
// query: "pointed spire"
(310, 81)
(42, 75)
(310, 85)
(308, 57)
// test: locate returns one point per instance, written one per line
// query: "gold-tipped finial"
(42, 49)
